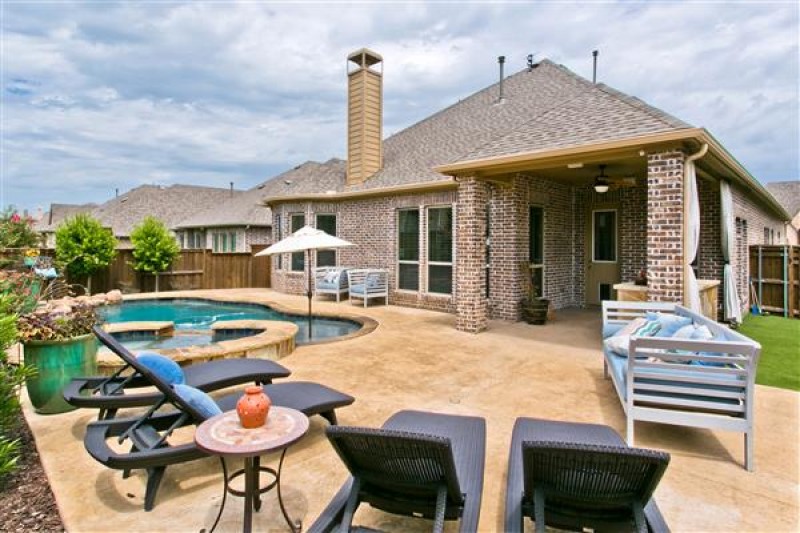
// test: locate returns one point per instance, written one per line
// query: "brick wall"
(665, 226)
(370, 224)
(258, 235)
(710, 262)
(751, 219)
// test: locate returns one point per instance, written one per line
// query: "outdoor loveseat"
(366, 283)
(687, 382)
(331, 280)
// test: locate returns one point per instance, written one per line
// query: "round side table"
(223, 436)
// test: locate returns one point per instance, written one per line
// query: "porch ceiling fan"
(603, 183)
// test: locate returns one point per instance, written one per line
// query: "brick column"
(509, 248)
(472, 313)
(665, 226)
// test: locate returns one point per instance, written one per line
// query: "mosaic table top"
(224, 435)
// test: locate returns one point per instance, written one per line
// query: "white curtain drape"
(733, 306)
(692, 237)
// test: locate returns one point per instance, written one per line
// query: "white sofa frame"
(319, 275)
(714, 402)
(358, 276)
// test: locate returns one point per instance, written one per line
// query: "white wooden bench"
(331, 280)
(704, 384)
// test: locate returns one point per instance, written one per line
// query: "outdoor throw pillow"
(619, 344)
(669, 323)
(373, 280)
(702, 333)
(685, 332)
(163, 367)
(331, 276)
(199, 400)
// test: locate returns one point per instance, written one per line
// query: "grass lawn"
(779, 365)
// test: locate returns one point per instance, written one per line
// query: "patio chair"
(577, 476)
(331, 280)
(417, 464)
(150, 433)
(111, 393)
(366, 283)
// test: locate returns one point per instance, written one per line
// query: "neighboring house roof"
(545, 107)
(247, 208)
(168, 204)
(59, 213)
(788, 195)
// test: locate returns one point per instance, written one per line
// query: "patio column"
(508, 249)
(472, 313)
(665, 226)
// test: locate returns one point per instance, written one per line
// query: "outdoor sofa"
(331, 280)
(696, 383)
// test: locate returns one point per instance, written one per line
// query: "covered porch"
(581, 221)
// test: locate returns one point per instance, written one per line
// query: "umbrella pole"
(308, 267)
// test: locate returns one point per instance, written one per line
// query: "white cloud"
(96, 99)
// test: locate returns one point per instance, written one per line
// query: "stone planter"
(56, 363)
(535, 311)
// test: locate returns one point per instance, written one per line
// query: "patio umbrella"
(304, 240)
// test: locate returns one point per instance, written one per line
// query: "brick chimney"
(364, 115)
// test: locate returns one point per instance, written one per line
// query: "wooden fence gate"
(775, 274)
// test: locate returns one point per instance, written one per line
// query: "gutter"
(367, 193)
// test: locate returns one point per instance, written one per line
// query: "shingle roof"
(311, 177)
(543, 108)
(59, 213)
(243, 209)
(169, 204)
(788, 195)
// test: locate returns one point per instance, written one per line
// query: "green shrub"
(9, 454)
(154, 249)
(84, 246)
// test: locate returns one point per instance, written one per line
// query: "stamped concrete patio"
(416, 359)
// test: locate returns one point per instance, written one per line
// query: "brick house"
(788, 195)
(464, 205)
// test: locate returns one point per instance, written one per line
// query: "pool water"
(193, 319)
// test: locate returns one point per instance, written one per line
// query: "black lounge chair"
(109, 394)
(149, 434)
(575, 476)
(417, 464)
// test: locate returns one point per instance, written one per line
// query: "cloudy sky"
(101, 95)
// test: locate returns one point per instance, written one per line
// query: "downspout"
(694, 157)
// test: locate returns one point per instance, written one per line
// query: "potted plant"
(534, 309)
(59, 343)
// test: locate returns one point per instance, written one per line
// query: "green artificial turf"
(779, 365)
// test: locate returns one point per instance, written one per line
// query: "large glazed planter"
(56, 363)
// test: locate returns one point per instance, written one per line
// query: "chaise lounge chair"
(150, 434)
(109, 394)
(417, 464)
(576, 476)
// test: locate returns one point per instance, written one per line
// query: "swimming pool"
(193, 318)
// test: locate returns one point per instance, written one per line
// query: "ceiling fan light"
(600, 188)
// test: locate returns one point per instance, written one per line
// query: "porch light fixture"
(601, 181)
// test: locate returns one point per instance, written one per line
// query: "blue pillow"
(685, 332)
(372, 281)
(163, 367)
(199, 400)
(669, 323)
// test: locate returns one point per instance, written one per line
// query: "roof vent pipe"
(231, 188)
(116, 192)
(594, 65)
(501, 61)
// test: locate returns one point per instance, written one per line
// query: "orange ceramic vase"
(253, 407)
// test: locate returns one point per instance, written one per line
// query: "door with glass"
(602, 254)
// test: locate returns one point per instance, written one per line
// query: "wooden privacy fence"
(193, 269)
(775, 274)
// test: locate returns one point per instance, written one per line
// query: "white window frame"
(429, 263)
(533, 266)
(616, 236)
(418, 262)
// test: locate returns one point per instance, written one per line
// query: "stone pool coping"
(274, 341)
(368, 325)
